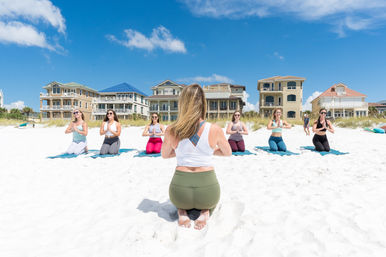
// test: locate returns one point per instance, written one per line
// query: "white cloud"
(15, 105)
(160, 38)
(307, 106)
(249, 106)
(211, 79)
(19, 19)
(343, 14)
(277, 55)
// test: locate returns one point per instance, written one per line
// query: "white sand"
(291, 206)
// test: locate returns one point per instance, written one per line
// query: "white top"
(113, 127)
(189, 155)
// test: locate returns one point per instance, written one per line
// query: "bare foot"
(183, 219)
(200, 222)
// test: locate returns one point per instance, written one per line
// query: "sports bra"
(319, 125)
(199, 155)
(236, 136)
(76, 137)
(277, 130)
(157, 129)
(113, 127)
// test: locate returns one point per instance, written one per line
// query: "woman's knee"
(272, 145)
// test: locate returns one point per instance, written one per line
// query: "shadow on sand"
(166, 210)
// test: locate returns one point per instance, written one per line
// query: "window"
(135, 97)
(86, 105)
(141, 110)
(80, 91)
(291, 98)
(86, 93)
(173, 117)
(232, 105)
(223, 105)
(130, 95)
(141, 99)
(80, 104)
(291, 114)
(213, 105)
(269, 100)
(135, 108)
(279, 86)
(266, 86)
(165, 117)
(56, 89)
(291, 85)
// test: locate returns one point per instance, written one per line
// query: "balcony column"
(218, 109)
(344, 115)
(168, 110)
(50, 101)
(61, 103)
(228, 103)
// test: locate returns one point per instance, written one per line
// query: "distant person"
(111, 128)
(154, 130)
(275, 141)
(320, 127)
(236, 129)
(306, 124)
(193, 142)
(79, 131)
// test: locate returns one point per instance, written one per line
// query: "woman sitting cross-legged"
(193, 142)
(154, 130)
(275, 141)
(111, 128)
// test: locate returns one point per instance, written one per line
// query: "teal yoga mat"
(247, 152)
(111, 155)
(144, 154)
(332, 151)
(268, 150)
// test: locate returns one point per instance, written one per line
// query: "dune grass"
(360, 122)
(10, 122)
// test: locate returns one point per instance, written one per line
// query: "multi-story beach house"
(1, 99)
(341, 101)
(285, 92)
(124, 99)
(224, 99)
(379, 106)
(165, 99)
(61, 99)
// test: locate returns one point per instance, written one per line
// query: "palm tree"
(27, 110)
(372, 111)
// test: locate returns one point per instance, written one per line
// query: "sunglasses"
(155, 117)
(110, 113)
(75, 113)
(237, 114)
(323, 113)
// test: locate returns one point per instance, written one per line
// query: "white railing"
(70, 94)
(56, 107)
(106, 100)
(271, 90)
(344, 105)
(118, 111)
(271, 104)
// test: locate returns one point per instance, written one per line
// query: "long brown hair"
(115, 115)
(191, 107)
(151, 118)
(274, 113)
(82, 115)
(233, 116)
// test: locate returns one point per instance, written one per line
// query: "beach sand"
(277, 206)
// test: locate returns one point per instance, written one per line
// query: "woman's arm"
(145, 132)
(269, 126)
(70, 128)
(85, 129)
(102, 130)
(118, 132)
(245, 130)
(162, 131)
(222, 146)
(167, 150)
(286, 125)
(229, 129)
(330, 127)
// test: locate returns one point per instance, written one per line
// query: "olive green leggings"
(194, 190)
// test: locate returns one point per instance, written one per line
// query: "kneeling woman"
(79, 131)
(275, 141)
(194, 141)
(319, 128)
(155, 130)
(236, 129)
(111, 128)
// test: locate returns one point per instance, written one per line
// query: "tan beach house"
(124, 99)
(285, 92)
(224, 99)
(60, 99)
(341, 101)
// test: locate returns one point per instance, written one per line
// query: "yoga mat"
(144, 154)
(247, 152)
(69, 156)
(332, 151)
(268, 150)
(111, 155)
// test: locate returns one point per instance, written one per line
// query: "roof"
(331, 92)
(122, 88)
(226, 84)
(377, 104)
(168, 82)
(281, 78)
(382, 102)
(70, 85)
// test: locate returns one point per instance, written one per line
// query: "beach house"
(126, 100)
(379, 106)
(1, 99)
(224, 99)
(165, 99)
(341, 101)
(285, 92)
(60, 99)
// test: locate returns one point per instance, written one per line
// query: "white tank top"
(200, 155)
(113, 127)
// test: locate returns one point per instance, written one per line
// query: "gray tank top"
(155, 127)
(236, 136)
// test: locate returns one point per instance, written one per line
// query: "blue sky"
(103, 43)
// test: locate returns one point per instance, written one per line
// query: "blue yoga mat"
(144, 154)
(332, 151)
(111, 155)
(247, 152)
(268, 150)
(69, 156)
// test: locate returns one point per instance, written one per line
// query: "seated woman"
(111, 128)
(236, 129)
(155, 130)
(194, 141)
(320, 127)
(276, 142)
(79, 131)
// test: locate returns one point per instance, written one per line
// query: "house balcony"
(350, 105)
(117, 111)
(153, 109)
(270, 90)
(62, 95)
(271, 105)
(57, 108)
(111, 101)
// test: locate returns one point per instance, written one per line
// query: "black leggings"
(321, 143)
